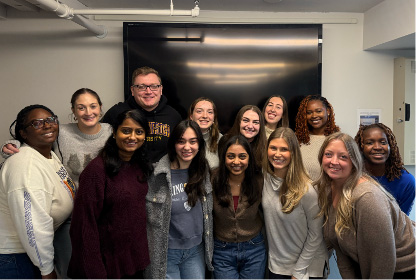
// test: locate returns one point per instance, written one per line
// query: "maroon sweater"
(108, 229)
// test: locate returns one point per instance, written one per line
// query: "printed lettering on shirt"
(159, 129)
(67, 181)
(178, 194)
(29, 225)
(177, 189)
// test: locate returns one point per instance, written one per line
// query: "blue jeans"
(63, 249)
(186, 263)
(17, 266)
(243, 260)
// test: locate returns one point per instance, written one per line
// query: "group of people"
(144, 194)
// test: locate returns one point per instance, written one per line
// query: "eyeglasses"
(144, 87)
(39, 123)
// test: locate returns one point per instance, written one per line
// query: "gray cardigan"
(158, 210)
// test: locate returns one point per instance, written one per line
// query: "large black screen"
(233, 64)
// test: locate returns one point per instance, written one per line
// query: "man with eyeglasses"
(146, 91)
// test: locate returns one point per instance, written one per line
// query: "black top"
(162, 120)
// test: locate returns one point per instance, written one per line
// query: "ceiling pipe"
(193, 13)
(76, 15)
(64, 11)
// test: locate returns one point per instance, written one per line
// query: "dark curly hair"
(394, 163)
(302, 127)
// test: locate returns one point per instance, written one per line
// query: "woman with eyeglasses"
(81, 140)
(79, 143)
(36, 197)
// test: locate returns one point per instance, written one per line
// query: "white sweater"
(296, 243)
(211, 157)
(77, 148)
(36, 197)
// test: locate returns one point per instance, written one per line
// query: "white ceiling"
(324, 6)
(355, 6)
(348, 6)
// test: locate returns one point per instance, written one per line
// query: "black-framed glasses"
(144, 87)
(39, 123)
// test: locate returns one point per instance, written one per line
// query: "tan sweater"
(383, 241)
(310, 153)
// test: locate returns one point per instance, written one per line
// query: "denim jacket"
(158, 209)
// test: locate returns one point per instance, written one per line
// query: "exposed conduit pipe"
(75, 15)
(194, 12)
(63, 10)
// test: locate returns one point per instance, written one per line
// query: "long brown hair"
(214, 132)
(258, 145)
(198, 169)
(284, 121)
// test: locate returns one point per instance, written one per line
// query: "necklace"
(233, 184)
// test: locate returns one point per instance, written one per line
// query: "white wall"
(45, 61)
(389, 20)
(355, 79)
(408, 153)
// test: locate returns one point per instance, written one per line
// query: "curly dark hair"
(394, 163)
(302, 127)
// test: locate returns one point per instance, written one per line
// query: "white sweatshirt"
(36, 197)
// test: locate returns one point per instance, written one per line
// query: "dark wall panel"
(233, 64)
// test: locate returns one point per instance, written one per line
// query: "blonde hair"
(296, 183)
(343, 220)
